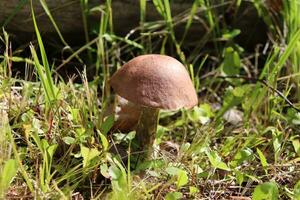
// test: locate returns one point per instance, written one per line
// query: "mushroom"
(153, 82)
(127, 115)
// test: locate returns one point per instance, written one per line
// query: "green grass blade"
(84, 11)
(42, 76)
(47, 81)
(190, 20)
(47, 11)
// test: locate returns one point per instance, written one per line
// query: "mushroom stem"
(146, 129)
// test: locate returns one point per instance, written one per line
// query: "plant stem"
(146, 129)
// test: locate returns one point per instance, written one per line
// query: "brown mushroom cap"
(156, 81)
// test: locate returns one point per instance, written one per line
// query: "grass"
(242, 140)
(292, 24)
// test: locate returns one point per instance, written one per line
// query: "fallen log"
(15, 17)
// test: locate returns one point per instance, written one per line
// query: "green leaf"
(88, 154)
(239, 177)
(293, 116)
(296, 145)
(131, 135)
(228, 145)
(45, 144)
(107, 124)
(51, 150)
(234, 97)
(231, 34)
(8, 173)
(297, 191)
(160, 133)
(239, 91)
(172, 170)
(119, 180)
(74, 114)
(173, 196)
(182, 177)
(193, 190)
(216, 161)
(69, 140)
(185, 147)
(231, 64)
(120, 137)
(201, 114)
(241, 156)
(104, 141)
(81, 134)
(153, 164)
(277, 139)
(114, 172)
(262, 158)
(266, 191)
(104, 170)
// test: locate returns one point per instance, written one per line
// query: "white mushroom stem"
(146, 129)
